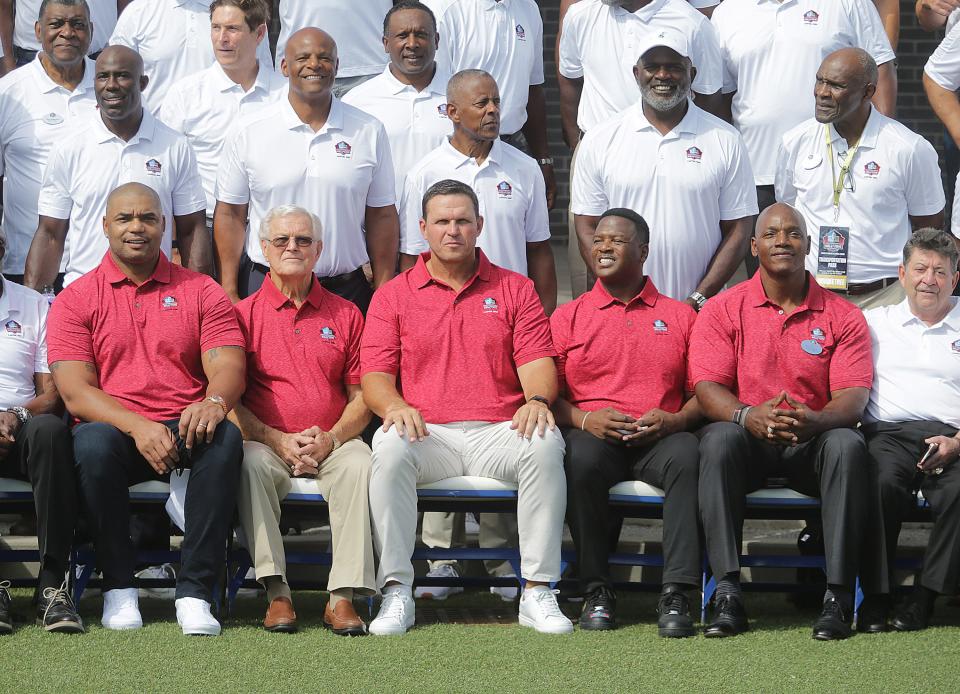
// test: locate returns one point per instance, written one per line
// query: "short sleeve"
(729, 71)
(233, 185)
(738, 195)
(868, 29)
(218, 319)
(173, 110)
(587, 194)
(783, 174)
(712, 352)
(41, 365)
(380, 344)
(382, 191)
(187, 194)
(560, 332)
(69, 330)
(571, 62)
(411, 240)
(707, 60)
(351, 373)
(125, 31)
(536, 69)
(537, 220)
(55, 199)
(943, 67)
(851, 365)
(531, 329)
(923, 181)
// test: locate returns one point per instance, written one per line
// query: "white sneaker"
(161, 572)
(121, 609)
(194, 618)
(439, 592)
(506, 593)
(471, 524)
(397, 614)
(539, 609)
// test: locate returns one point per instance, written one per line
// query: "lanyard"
(844, 170)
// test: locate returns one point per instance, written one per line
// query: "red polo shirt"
(456, 353)
(299, 361)
(744, 341)
(632, 357)
(145, 341)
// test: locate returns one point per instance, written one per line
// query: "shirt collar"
(6, 306)
(600, 298)
(223, 82)
(904, 316)
(421, 277)
(813, 302)
(277, 300)
(689, 124)
(438, 85)
(647, 12)
(113, 274)
(492, 4)
(292, 121)
(495, 155)
(47, 85)
(870, 134)
(148, 127)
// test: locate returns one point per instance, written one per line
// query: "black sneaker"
(56, 611)
(598, 607)
(6, 619)
(675, 621)
(913, 614)
(834, 624)
(729, 617)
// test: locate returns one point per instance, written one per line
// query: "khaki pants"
(343, 480)
(887, 296)
(497, 530)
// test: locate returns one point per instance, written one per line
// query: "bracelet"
(218, 400)
(336, 441)
(547, 161)
(583, 422)
(742, 418)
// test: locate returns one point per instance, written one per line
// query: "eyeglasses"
(284, 241)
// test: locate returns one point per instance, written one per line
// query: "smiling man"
(912, 422)
(783, 368)
(124, 143)
(861, 180)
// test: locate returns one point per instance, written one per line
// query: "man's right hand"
(157, 445)
(941, 7)
(606, 423)
(764, 425)
(407, 420)
(289, 447)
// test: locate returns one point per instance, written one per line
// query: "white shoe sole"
(122, 626)
(387, 631)
(201, 630)
(527, 622)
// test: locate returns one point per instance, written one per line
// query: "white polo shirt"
(23, 343)
(173, 38)
(86, 168)
(600, 42)
(943, 67)
(916, 367)
(416, 122)
(337, 172)
(682, 183)
(103, 15)
(771, 54)
(512, 196)
(205, 107)
(503, 37)
(357, 27)
(36, 113)
(894, 174)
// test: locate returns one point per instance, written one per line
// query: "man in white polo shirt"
(913, 415)
(354, 26)
(504, 38)
(206, 105)
(41, 104)
(321, 154)
(121, 145)
(861, 181)
(172, 37)
(941, 80)
(685, 171)
(771, 52)
(410, 96)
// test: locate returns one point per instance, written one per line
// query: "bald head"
(134, 225)
(856, 63)
(127, 193)
(309, 37)
(123, 56)
(463, 85)
(778, 214)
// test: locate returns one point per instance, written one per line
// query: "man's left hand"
(653, 426)
(9, 426)
(319, 447)
(533, 416)
(801, 423)
(948, 449)
(199, 421)
(550, 180)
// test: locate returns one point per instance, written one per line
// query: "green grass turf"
(777, 656)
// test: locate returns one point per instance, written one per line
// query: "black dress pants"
(895, 449)
(593, 466)
(108, 463)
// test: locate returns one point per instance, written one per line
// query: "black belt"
(335, 281)
(867, 287)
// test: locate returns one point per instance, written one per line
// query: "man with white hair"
(301, 416)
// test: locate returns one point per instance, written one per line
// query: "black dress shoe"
(598, 608)
(912, 615)
(675, 621)
(872, 615)
(6, 619)
(729, 618)
(57, 613)
(834, 623)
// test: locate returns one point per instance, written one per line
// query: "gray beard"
(663, 103)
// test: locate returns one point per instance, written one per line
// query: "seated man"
(35, 446)
(302, 414)
(914, 414)
(621, 425)
(783, 368)
(457, 359)
(149, 357)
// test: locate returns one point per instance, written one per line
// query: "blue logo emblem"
(442, 110)
(504, 190)
(659, 326)
(154, 167)
(13, 328)
(818, 334)
(167, 303)
(955, 346)
(327, 333)
(490, 305)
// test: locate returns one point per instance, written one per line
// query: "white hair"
(281, 211)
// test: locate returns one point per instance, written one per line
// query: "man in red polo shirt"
(149, 357)
(625, 405)
(784, 369)
(457, 359)
(302, 415)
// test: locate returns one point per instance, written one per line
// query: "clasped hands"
(782, 421)
(611, 425)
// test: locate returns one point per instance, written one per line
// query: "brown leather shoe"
(280, 616)
(344, 620)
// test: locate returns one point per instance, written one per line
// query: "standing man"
(912, 422)
(35, 446)
(124, 143)
(172, 38)
(507, 182)
(410, 96)
(504, 38)
(862, 182)
(329, 158)
(470, 396)
(783, 369)
(44, 103)
(941, 80)
(684, 171)
(619, 427)
(149, 357)
(354, 26)
(206, 105)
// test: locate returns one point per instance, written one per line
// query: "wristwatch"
(220, 401)
(22, 413)
(336, 441)
(548, 161)
(540, 398)
(698, 299)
